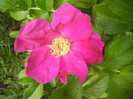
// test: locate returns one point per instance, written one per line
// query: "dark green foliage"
(72, 90)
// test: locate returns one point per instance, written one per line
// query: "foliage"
(113, 78)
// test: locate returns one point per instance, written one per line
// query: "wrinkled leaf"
(97, 88)
(119, 88)
(119, 53)
(72, 90)
(127, 73)
(113, 16)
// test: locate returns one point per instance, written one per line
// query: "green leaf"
(19, 15)
(127, 73)
(28, 3)
(14, 34)
(24, 79)
(53, 83)
(113, 16)
(33, 92)
(57, 3)
(95, 29)
(82, 3)
(122, 8)
(40, 14)
(7, 4)
(72, 90)
(2, 10)
(119, 53)
(97, 88)
(45, 4)
(119, 88)
(25, 4)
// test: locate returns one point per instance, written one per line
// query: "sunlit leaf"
(19, 15)
(14, 34)
(33, 92)
(24, 79)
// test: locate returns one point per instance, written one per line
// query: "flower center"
(59, 47)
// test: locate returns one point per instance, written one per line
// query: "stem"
(90, 80)
(34, 8)
(52, 11)
(116, 71)
(99, 67)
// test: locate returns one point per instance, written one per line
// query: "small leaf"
(97, 88)
(24, 79)
(33, 92)
(53, 83)
(40, 14)
(45, 4)
(14, 34)
(58, 3)
(127, 73)
(7, 4)
(19, 15)
(72, 90)
(2, 10)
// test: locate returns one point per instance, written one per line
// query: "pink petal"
(71, 23)
(33, 34)
(62, 76)
(90, 50)
(77, 30)
(73, 64)
(41, 65)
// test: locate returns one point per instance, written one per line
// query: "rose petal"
(41, 65)
(33, 34)
(77, 30)
(72, 64)
(62, 76)
(90, 50)
(65, 14)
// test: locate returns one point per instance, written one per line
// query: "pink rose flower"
(65, 47)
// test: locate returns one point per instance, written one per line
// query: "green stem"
(90, 80)
(52, 11)
(99, 67)
(116, 71)
(34, 8)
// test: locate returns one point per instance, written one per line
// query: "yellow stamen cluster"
(59, 47)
